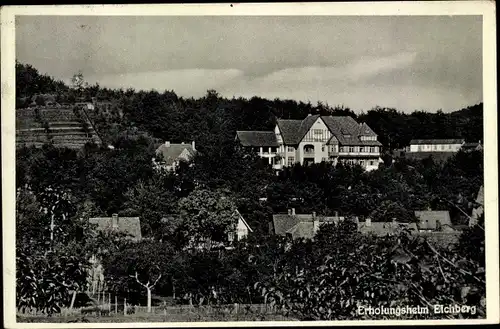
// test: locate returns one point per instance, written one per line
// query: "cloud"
(360, 61)
(190, 82)
(353, 84)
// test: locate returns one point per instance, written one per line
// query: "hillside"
(67, 126)
(167, 116)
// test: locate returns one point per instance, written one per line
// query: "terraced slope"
(61, 126)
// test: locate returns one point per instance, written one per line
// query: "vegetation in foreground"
(324, 279)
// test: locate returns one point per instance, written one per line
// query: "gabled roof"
(284, 223)
(436, 141)
(305, 125)
(480, 196)
(365, 130)
(128, 225)
(428, 219)
(344, 128)
(257, 138)
(348, 131)
(385, 228)
(290, 130)
(244, 221)
(171, 153)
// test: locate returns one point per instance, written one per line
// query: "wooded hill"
(169, 117)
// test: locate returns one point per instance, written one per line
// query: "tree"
(152, 202)
(51, 251)
(149, 286)
(78, 81)
(207, 215)
(389, 210)
(138, 266)
(349, 270)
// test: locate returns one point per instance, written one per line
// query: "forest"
(72, 186)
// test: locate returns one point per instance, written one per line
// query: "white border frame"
(484, 8)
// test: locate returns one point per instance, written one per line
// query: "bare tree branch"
(139, 282)
(159, 276)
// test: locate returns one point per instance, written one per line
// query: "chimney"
(293, 211)
(192, 144)
(336, 214)
(309, 114)
(114, 220)
(394, 221)
(368, 221)
(289, 211)
(167, 144)
(182, 143)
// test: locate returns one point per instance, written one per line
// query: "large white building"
(316, 139)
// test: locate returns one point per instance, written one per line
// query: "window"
(420, 148)
(442, 147)
(372, 149)
(323, 159)
(361, 149)
(230, 236)
(351, 149)
(322, 148)
(372, 163)
(362, 163)
(291, 160)
(291, 149)
(333, 149)
(435, 147)
(449, 147)
(317, 134)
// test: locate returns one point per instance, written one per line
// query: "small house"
(297, 226)
(130, 226)
(171, 155)
(385, 228)
(434, 220)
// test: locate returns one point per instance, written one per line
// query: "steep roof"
(428, 219)
(298, 224)
(348, 131)
(305, 125)
(128, 225)
(385, 228)
(480, 196)
(171, 153)
(240, 216)
(290, 130)
(344, 128)
(436, 141)
(257, 138)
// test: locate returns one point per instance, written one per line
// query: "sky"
(405, 62)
